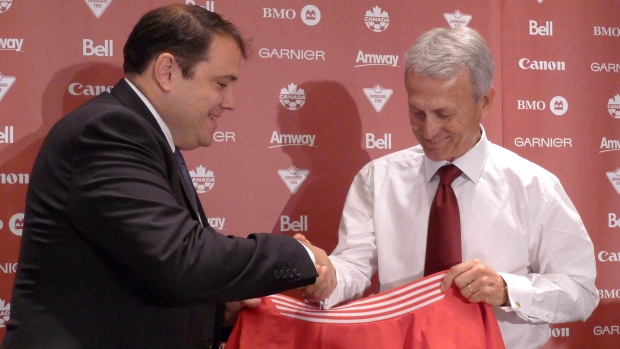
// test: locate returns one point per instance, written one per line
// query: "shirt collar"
(471, 163)
(158, 118)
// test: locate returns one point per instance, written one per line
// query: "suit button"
(296, 272)
(289, 273)
(276, 274)
(208, 343)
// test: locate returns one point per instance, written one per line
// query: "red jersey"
(413, 316)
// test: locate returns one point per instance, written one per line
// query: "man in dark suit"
(116, 250)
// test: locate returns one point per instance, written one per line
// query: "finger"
(452, 274)
(252, 302)
(300, 237)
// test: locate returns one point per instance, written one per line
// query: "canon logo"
(525, 63)
(77, 89)
(560, 332)
(605, 256)
(605, 67)
(609, 293)
(12, 178)
(606, 31)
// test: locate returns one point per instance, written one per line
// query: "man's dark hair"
(185, 31)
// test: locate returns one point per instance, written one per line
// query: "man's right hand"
(326, 282)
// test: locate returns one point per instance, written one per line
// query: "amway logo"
(285, 140)
(457, 19)
(364, 60)
(377, 20)
(203, 180)
(614, 179)
(77, 89)
(525, 63)
(378, 96)
(98, 6)
(5, 84)
(11, 44)
(613, 106)
(293, 177)
(217, 223)
(609, 145)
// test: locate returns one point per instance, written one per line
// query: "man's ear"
(164, 69)
(487, 100)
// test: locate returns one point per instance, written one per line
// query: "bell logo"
(98, 6)
(209, 5)
(287, 225)
(380, 143)
(5, 84)
(105, 50)
(614, 222)
(7, 135)
(545, 30)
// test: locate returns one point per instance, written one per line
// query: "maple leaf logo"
(377, 12)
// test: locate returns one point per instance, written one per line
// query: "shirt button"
(208, 343)
(518, 305)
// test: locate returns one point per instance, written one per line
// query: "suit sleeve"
(126, 201)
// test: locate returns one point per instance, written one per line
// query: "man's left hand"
(477, 282)
(232, 309)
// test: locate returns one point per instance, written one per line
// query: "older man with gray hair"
(523, 247)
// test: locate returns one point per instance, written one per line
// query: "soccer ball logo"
(292, 98)
(202, 179)
(377, 20)
(5, 5)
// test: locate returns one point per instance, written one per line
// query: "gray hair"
(442, 52)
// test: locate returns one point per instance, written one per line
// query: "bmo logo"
(286, 224)
(310, 14)
(530, 105)
(224, 136)
(543, 30)
(614, 221)
(90, 49)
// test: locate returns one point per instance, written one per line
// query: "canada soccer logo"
(613, 106)
(292, 98)
(5, 5)
(203, 180)
(377, 20)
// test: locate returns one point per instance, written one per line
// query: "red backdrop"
(321, 95)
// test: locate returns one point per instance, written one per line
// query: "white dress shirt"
(515, 217)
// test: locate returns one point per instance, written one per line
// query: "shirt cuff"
(309, 252)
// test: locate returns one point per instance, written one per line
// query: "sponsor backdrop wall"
(321, 95)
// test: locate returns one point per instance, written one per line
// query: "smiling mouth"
(435, 141)
(212, 117)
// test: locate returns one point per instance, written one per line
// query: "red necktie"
(443, 245)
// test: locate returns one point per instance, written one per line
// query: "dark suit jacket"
(113, 257)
